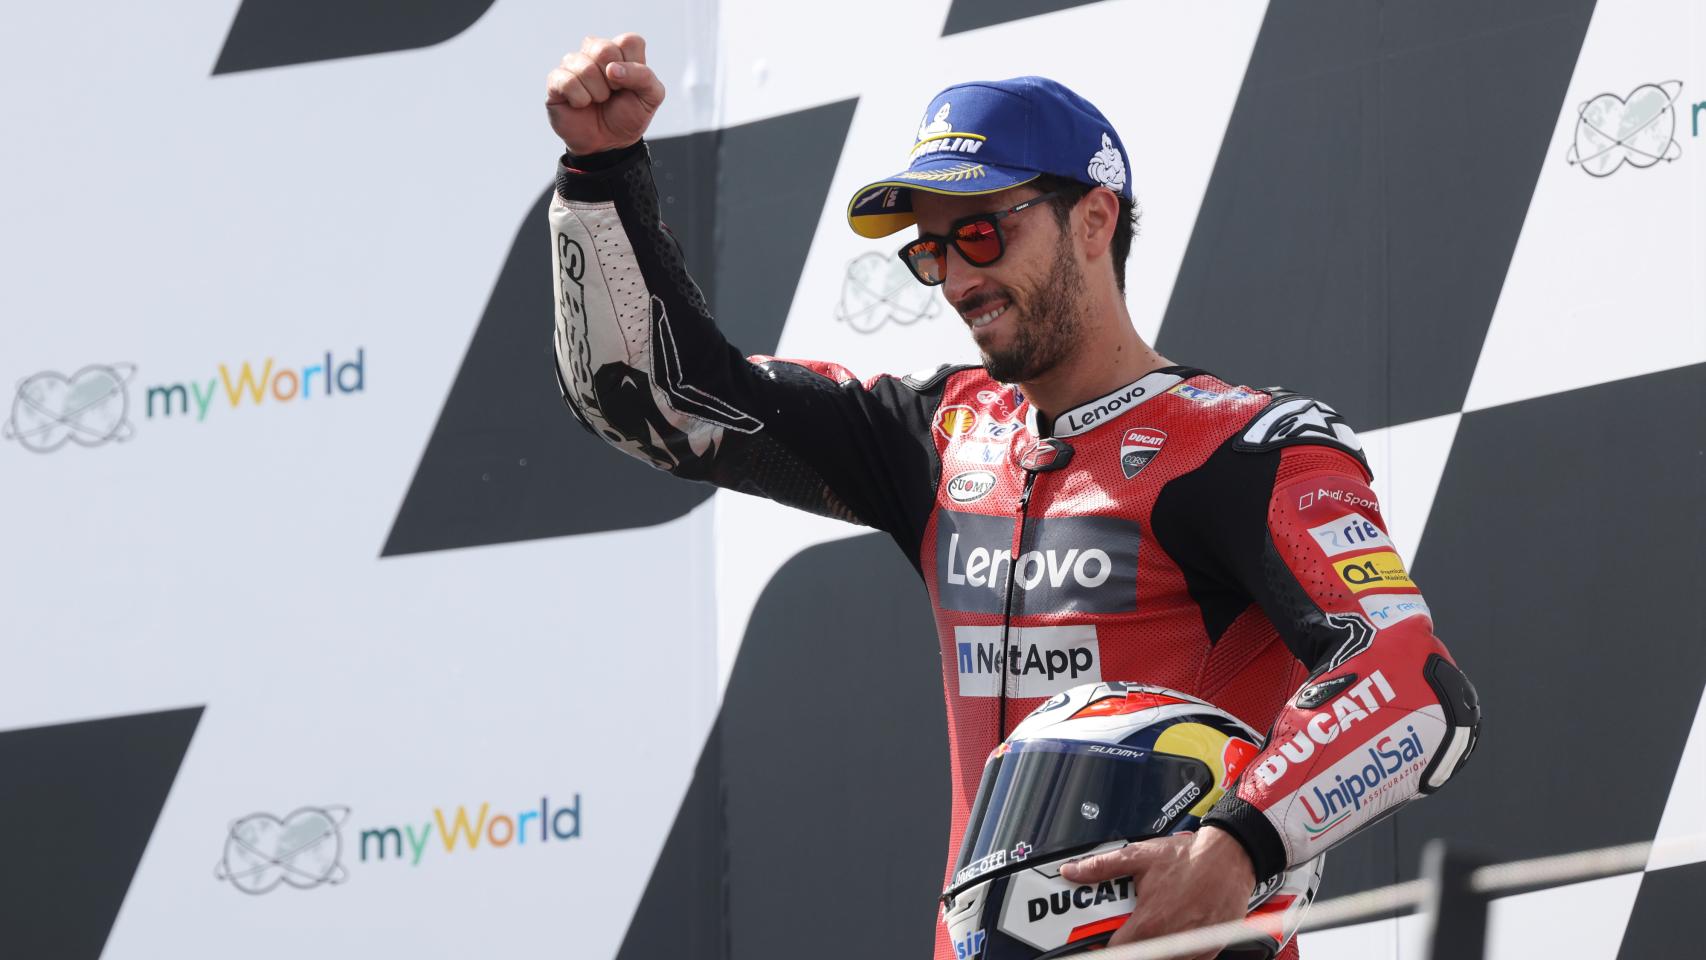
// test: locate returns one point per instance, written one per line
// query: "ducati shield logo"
(1138, 447)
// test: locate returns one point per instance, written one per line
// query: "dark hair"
(1067, 193)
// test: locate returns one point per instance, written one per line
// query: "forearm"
(1385, 717)
(643, 366)
(628, 318)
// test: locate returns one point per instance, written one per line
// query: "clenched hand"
(603, 96)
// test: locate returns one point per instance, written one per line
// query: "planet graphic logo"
(1639, 130)
(303, 850)
(89, 408)
(879, 290)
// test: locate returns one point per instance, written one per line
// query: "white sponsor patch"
(1039, 661)
(1107, 167)
(1382, 774)
(1349, 532)
(976, 451)
(1042, 911)
(1079, 419)
(971, 485)
(1385, 609)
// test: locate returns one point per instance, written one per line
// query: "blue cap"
(989, 135)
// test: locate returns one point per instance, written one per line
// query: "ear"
(1099, 213)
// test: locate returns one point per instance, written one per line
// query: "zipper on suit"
(1007, 605)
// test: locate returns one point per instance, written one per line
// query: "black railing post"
(1457, 915)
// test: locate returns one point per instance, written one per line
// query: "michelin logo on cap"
(937, 126)
(938, 136)
(986, 136)
(1107, 167)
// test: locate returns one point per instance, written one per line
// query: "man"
(1079, 506)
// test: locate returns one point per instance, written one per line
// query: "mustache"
(972, 306)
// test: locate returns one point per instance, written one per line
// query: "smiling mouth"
(987, 317)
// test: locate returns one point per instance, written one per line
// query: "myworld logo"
(257, 383)
(96, 405)
(89, 408)
(305, 848)
(1639, 129)
(466, 831)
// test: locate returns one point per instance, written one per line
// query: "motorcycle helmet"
(1090, 770)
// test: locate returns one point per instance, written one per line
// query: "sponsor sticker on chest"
(1034, 662)
(1138, 447)
(1064, 565)
(970, 486)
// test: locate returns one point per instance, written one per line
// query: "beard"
(1054, 317)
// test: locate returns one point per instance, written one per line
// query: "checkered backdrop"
(329, 633)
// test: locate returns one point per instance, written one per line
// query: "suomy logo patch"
(971, 485)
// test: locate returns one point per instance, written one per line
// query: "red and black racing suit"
(1216, 539)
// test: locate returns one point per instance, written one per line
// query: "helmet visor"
(1043, 799)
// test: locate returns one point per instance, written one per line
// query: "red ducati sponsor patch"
(1138, 447)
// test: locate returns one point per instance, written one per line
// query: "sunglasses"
(977, 238)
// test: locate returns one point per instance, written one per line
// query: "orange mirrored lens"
(925, 256)
(978, 242)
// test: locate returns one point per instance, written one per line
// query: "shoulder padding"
(1292, 418)
(926, 379)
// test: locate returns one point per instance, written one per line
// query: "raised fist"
(603, 96)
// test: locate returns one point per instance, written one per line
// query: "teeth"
(986, 318)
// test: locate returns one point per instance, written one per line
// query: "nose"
(962, 278)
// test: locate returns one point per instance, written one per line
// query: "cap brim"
(870, 217)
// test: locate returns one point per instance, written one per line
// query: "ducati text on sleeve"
(1354, 706)
(1069, 564)
(1037, 662)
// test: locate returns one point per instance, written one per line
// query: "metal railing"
(1454, 892)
